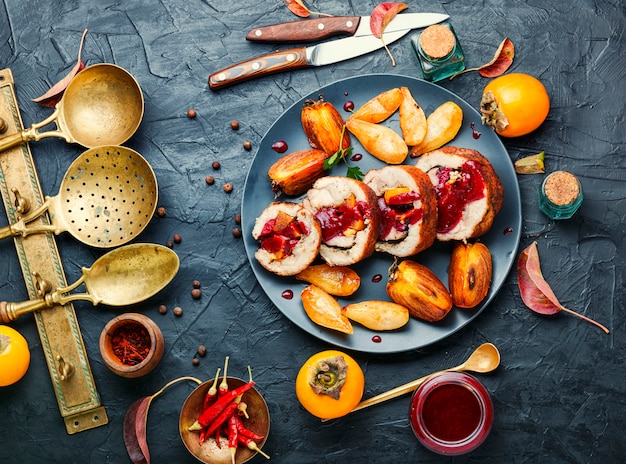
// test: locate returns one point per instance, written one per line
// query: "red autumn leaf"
(536, 292)
(501, 61)
(298, 8)
(383, 14)
(52, 96)
(135, 422)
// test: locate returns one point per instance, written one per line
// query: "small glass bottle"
(560, 195)
(439, 52)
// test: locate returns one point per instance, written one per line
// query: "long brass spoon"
(485, 358)
(127, 275)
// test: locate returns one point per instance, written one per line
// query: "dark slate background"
(559, 394)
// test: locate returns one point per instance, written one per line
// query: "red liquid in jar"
(451, 412)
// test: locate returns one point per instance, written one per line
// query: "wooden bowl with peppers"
(225, 421)
(131, 345)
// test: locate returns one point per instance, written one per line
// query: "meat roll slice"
(347, 212)
(469, 191)
(289, 238)
(408, 209)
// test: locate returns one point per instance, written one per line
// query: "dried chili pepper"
(131, 343)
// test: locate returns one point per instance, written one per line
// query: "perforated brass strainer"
(107, 197)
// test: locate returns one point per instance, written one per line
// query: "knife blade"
(301, 57)
(311, 30)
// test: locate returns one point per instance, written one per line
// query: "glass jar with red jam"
(451, 413)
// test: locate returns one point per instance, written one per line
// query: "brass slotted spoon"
(107, 197)
(124, 276)
(102, 105)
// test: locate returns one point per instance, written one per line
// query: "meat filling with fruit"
(456, 188)
(281, 234)
(398, 212)
(341, 223)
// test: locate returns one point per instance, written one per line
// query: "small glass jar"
(451, 413)
(439, 52)
(560, 195)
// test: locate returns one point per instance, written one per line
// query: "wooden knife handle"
(284, 60)
(305, 30)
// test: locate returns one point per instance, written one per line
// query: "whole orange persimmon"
(330, 384)
(14, 356)
(514, 104)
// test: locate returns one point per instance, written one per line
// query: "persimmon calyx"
(491, 114)
(328, 376)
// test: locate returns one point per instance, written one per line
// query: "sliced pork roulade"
(408, 209)
(469, 191)
(347, 212)
(289, 238)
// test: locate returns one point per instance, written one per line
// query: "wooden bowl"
(209, 452)
(150, 361)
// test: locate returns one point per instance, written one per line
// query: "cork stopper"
(561, 188)
(437, 41)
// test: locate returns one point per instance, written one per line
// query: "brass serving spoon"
(485, 358)
(125, 276)
(102, 105)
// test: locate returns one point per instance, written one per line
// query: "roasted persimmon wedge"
(380, 107)
(412, 119)
(324, 310)
(380, 141)
(443, 125)
(336, 280)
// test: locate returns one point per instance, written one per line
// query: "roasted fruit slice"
(443, 125)
(294, 173)
(289, 238)
(324, 310)
(380, 141)
(380, 107)
(418, 289)
(412, 119)
(323, 126)
(378, 315)
(469, 275)
(336, 280)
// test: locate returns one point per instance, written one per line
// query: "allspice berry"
(237, 218)
(177, 238)
(202, 351)
(228, 187)
(161, 211)
(234, 125)
(236, 232)
(210, 180)
(195, 361)
(191, 113)
(178, 311)
(162, 309)
(215, 165)
(195, 284)
(247, 145)
(196, 293)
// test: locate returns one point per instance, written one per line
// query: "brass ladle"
(102, 105)
(124, 276)
(107, 197)
(485, 358)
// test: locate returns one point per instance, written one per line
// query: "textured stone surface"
(559, 394)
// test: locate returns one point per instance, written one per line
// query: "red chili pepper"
(211, 394)
(243, 430)
(233, 436)
(209, 415)
(251, 444)
(221, 419)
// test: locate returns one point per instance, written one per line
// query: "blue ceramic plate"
(502, 239)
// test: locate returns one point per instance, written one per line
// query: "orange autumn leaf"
(52, 96)
(381, 16)
(298, 8)
(501, 61)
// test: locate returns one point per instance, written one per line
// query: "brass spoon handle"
(11, 311)
(398, 391)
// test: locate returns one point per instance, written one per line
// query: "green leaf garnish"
(353, 172)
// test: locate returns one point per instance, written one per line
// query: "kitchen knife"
(301, 57)
(311, 30)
